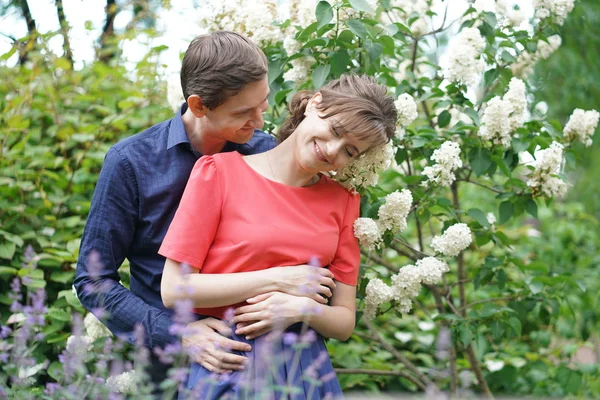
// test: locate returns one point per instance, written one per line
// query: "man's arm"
(107, 236)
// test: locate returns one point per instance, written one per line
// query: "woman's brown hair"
(362, 105)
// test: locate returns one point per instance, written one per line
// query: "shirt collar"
(178, 135)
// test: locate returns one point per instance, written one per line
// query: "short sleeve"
(195, 224)
(346, 262)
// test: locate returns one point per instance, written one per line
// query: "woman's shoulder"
(338, 189)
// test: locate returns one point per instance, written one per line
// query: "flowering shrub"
(466, 132)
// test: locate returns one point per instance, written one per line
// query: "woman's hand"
(304, 281)
(273, 310)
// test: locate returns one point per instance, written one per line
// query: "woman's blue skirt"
(293, 365)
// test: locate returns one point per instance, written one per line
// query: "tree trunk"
(64, 28)
(31, 30)
(107, 39)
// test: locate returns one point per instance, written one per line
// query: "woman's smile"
(319, 153)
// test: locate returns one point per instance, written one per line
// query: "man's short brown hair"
(219, 65)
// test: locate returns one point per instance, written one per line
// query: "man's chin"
(244, 135)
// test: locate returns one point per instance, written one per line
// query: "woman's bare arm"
(216, 290)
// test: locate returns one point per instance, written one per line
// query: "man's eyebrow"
(243, 110)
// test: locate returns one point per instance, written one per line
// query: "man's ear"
(196, 106)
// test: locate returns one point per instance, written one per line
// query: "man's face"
(236, 119)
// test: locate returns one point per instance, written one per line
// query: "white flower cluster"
(377, 293)
(406, 285)
(404, 10)
(392, 214)
(505, 10)
(503, 116)
(94, 328)
(581, 126)
(124, 383)
(454, 240)
(364, 170)
(300, 69)
(559, 9)
(407, 113)
(79, 344)
(543, 180)
(465, 64)
(253, 19)
(523, 66)
(367, 232)
(447, 159)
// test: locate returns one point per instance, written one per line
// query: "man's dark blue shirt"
(138, 191)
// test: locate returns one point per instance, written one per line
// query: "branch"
(412, 368)
(108, 32)
(482, 185)
(379, 260)
(31, 30)
(64, 28)
(381, 372)
(404, 252)
(490, 300)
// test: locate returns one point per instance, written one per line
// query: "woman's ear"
(313, 102)
(196, 106)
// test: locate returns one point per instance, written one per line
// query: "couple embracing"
(252, 233)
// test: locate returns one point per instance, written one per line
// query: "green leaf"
(12, 238)
(465, 334)
(361, 5)
(479, 216)
(320, 75)
(358, 28)
(506, 211)
(324, 13)
(56, 371)
(7, 250)
(531, 208)
(471, 113)
(275, 69)
(444, 119)
(59, 315)
(339, 62)
(497, 329)
(7, 271)
(480, 160)
(515, 324)
(506, 56)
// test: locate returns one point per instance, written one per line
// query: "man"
(225, 85)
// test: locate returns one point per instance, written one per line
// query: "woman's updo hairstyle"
(361, 106)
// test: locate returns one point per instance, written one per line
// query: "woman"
(273, 209)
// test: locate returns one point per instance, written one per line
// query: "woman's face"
(322, 144)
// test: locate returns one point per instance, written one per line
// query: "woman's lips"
(318, 152)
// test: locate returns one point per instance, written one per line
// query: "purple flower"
(229, 315)
(179, 375)
(290, 338)
(308, 337)
(51, 388)
(4, 332)
(29, 255)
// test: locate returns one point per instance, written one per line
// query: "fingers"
(251, 316)
(233, 345)
(248, 309)
(215, 365)
(219, 326)
(252, 329)
(260, 333)
(259, 298)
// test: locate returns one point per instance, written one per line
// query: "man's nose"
(257, 119)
